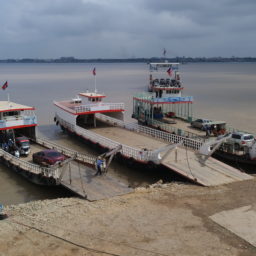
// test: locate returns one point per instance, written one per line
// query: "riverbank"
(164, 219)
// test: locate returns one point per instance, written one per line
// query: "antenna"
(95, 88)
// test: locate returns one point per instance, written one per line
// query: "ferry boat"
(101, 126)
(165, 108)
(18, 125)
(164, 74)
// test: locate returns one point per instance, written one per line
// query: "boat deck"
(130, 138)
(81, 179)
(183, 125)
(188, 164)
(34, 147)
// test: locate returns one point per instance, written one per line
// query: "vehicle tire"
(237, 146)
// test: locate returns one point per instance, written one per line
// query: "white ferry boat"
(101, 126)
(164, 74)
(165, 108)
(17, 118)
(18, 124)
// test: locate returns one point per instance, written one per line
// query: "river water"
(222, 91)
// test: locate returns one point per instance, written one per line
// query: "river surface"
(222, 91)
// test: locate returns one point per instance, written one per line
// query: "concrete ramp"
(240, 221)
(82, 181)
(212, 173)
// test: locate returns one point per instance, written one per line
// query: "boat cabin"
(164, 98)
(16, 120)
(83, 109)
(164, 78)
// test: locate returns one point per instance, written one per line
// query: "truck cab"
(23, 145)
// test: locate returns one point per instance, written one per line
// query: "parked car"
(23, 145)
(200, 123)
(241, 140)
(48, 157)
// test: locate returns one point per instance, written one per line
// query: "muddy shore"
(169, 219)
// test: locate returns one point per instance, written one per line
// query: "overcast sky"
(127, 28)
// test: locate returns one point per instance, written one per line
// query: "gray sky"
(127, 28)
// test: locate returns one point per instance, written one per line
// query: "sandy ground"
(169, 219)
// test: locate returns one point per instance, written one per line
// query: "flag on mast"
(5, 85)
(169, 71)
(164, 52)
(94, 72)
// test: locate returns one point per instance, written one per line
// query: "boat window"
(11, 113)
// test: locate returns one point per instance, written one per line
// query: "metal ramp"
(209, 173)
(82, 180)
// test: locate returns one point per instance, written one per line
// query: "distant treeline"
(131, 60)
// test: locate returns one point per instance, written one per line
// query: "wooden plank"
(92, 187)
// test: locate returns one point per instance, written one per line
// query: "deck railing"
(175, 130)
(53, 171)
(66, 151)
(11, 121)
(165, 136)
(99, 106)
(30, 167)
(126, 150)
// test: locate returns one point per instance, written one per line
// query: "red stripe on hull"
(17, 127)
(90, 112)
(16, 109)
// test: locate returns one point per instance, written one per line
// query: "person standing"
(99, 165)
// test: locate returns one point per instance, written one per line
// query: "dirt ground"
(168, 219)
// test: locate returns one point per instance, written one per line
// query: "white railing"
(175, 130)
(165, 136)
(108, 143)
(126, 150)
(112, 121)
(11, 121)
(66, 151)
(33, 168)
(99, 106)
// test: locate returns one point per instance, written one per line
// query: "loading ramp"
(82, 180)
(212, 172)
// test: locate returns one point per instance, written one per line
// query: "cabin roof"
(92, 95)
(6, 106)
